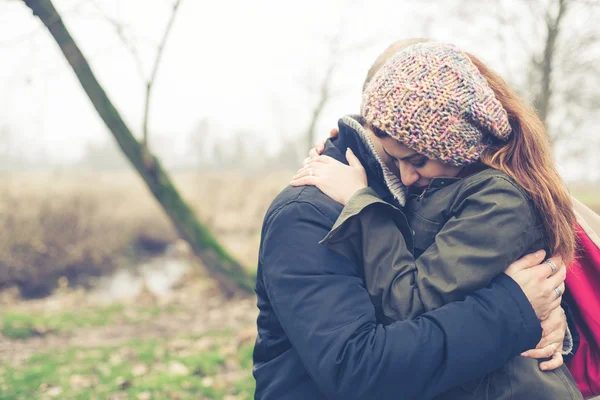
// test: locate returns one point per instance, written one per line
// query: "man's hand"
(538, 282)
(555, 327)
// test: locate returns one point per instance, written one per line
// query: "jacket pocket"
(424, 232)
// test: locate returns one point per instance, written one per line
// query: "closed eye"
(389, 155)
(419, 163)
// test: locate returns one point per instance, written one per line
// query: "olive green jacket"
(451, 240)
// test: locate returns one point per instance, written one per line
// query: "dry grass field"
(81, 225)
(87, 224)
(58, 230)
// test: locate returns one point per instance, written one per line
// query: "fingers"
(554, 328)
(304, 181)
(334, 132)
(530, 260)
(353, 161)
(556, 362)
(309, 170)
(555, 338)
(304, 177)
(312, 155)
(545, 352)
(322, 159)
(545, 270)
(314, 160)
(551, 306)
(319, 146)
(557, 280)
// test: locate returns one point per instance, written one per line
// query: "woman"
(479, 174)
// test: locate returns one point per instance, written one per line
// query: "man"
(318, 332)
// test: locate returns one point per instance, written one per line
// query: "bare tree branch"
(230, 274)
(157, 60)
(553, 25)
(120, 30)
(147, 80)
(324, 90)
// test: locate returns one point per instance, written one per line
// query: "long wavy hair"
(526, 157)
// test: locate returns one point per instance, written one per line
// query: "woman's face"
(413, 169)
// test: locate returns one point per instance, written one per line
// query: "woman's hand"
(319, 147)
(336, 180)
(539, 282)
(554, 329)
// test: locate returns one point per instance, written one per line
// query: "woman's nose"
(408, 175)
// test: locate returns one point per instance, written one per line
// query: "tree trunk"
(542, 102)
(230, 274)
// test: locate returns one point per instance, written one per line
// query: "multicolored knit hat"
(432, 98)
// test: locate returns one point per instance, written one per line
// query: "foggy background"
(240, 82)
(125, 280)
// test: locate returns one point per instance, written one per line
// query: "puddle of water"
(158, 275)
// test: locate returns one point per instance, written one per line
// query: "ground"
(192, 344)
(63, 229)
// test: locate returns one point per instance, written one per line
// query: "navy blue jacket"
(318, 332)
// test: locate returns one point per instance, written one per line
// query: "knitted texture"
(433, 99)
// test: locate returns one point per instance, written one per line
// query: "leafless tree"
(561, 44)
(151, 78)
(222, 266)
(324, 86)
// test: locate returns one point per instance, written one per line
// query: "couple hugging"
(421, 251)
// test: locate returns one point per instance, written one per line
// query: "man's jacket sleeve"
(323, 305)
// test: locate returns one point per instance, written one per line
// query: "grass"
(147, 369)
(17, 325)
(24, 325)
(190, 345)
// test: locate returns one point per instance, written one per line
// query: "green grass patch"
(17, 325)
(21, 325)
(207, 367)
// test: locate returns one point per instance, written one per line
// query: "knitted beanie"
(432, 98)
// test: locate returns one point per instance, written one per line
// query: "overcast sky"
(245, 65)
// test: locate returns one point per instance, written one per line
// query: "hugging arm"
(321, 301)
(467, 253)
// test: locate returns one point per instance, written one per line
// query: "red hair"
(527, 158)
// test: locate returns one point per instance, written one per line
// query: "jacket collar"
(353, 135)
